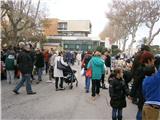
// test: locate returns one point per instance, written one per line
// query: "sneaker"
(16, 92)
(57, 89)
(87, 91)
(37, 82)
(61, 88)
(31, 93)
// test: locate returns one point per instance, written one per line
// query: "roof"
(52, 44)
(72, 38)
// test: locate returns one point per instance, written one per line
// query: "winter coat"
(52, 58)
(58, 72)
(118, 91)
(25, 63)
(97, 65)
(86, 60)
(10, 62)
(127, 76)
(151, 88)
(108, 61)
(136, 89)
(46, 56)
(39, 62)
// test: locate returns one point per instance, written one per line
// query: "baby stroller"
(69, 77)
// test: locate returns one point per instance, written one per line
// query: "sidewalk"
(50, 104)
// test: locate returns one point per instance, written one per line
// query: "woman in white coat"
(58, 74)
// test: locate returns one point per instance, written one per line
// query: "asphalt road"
(68, 104)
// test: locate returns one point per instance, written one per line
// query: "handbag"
(82, 72)
(60, 66)
(89, 71)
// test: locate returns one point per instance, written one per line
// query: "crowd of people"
(25, 61)
(137, 78)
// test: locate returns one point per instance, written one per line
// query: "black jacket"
(118, 91)
(39, 60)
(25, 63)
(87, 58)
(136, 89)
(108, 61)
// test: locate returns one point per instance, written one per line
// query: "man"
(151, 88)
(25, 65)
(39, 63)
(138, 76)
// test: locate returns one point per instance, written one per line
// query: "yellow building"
(50, 26)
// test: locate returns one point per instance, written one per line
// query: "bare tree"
(152, 16)
(115, 32)
(20, 16)
(128, 16)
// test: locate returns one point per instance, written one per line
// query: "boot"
(114, 118)
(120, 118)
(103, 86)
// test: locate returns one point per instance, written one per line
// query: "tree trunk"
(132, 42)
(15, 41)
(124, 44)
(152, 37)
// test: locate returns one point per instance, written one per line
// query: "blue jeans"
(25, 78)
(40, 71)
(87, 83)
(116, 113)
(139, 115)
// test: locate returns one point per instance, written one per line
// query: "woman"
(58, 74)
(97, 65)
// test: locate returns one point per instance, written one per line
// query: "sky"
(93, 10)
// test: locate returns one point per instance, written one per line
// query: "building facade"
(74, 43)
(71, 35)
(74, 28)
(50, 27)
(56, 27)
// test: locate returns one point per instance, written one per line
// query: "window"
(62, 26)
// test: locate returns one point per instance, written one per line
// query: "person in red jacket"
(46, 60)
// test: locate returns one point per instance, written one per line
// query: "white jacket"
(52, 59)
(58, 72)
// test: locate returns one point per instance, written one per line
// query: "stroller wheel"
(71, 87)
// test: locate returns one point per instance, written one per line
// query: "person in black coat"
(118, 92)
(39, 63)
(138, 76)
(25, 65)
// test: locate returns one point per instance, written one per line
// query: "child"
(118, 91)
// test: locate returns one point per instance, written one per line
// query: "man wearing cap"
(25, 65)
